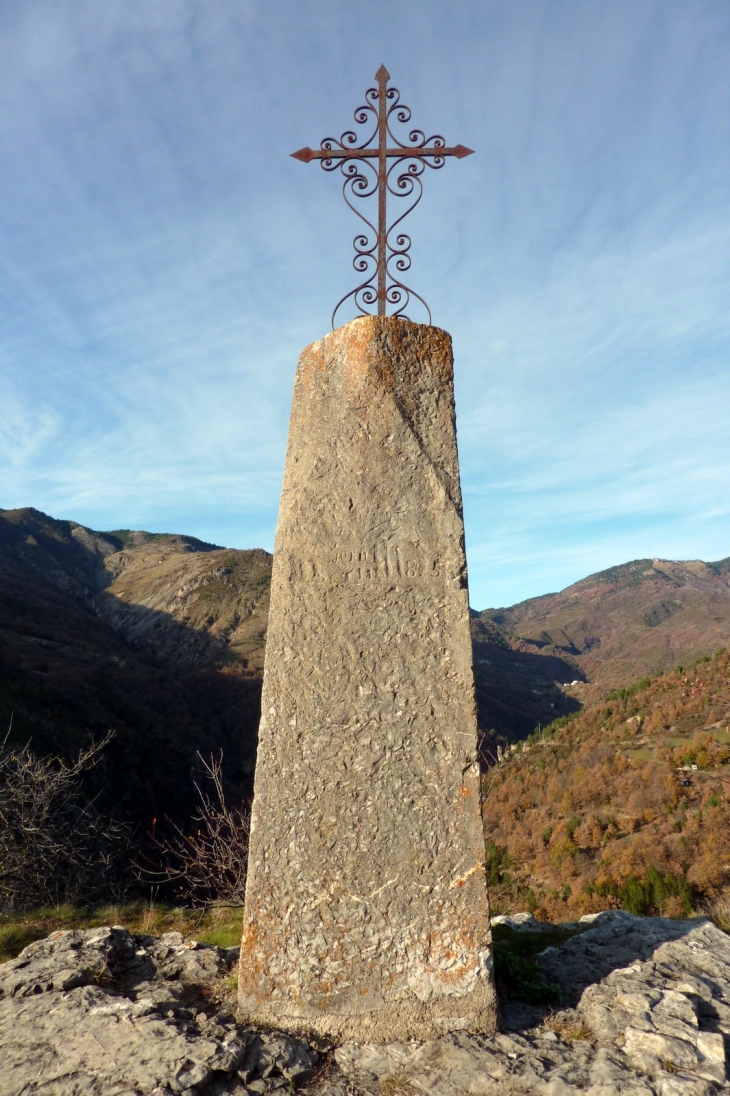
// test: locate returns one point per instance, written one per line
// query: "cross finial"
(377, 250)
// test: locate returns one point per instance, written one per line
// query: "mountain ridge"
(623, 622)
(100, 628)
(612, 575)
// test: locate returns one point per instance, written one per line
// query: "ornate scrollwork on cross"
(382, 251)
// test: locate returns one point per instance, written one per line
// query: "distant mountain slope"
(517, 689)
(159, 637)
(626, 803)
(189, 605)
(140, 630)
(619, 624)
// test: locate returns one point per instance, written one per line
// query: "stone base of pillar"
(401, 1020)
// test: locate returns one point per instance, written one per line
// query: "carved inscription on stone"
(389, 564)
(366, 909)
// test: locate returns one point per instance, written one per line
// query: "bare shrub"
(56, 846)
(206, 865)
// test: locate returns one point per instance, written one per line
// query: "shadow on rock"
(105, 1013)
(610, 941)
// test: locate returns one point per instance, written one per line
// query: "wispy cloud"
(164, 261)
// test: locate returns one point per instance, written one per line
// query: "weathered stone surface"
(366, 910)
(671, 1010)
(104, 1013)
(145, 1016)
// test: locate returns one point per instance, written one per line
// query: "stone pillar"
(366, 907)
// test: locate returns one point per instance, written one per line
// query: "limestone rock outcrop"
(366, 907)
(100, 1012)
(651, 1017)
(104, 1013)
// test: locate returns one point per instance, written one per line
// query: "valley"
(161, 639)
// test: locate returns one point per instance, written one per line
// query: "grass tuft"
(225, 937)
(572, 1032)
(396, 1084)
(719, 910)
(13, 938)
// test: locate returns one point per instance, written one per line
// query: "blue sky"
(164, 261)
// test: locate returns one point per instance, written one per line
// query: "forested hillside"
(166, 634)
(625, 804)
(160, 638)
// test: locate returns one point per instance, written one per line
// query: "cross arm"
(308, 154)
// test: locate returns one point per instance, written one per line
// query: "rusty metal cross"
(377, 249)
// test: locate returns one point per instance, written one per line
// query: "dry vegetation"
(206, 862)
(219, 926)
(55, 844)
(623, 805)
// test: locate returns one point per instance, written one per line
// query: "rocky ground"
(645, 1010)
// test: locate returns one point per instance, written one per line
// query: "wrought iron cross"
(376, 249)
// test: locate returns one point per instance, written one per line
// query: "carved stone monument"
(366, 908)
